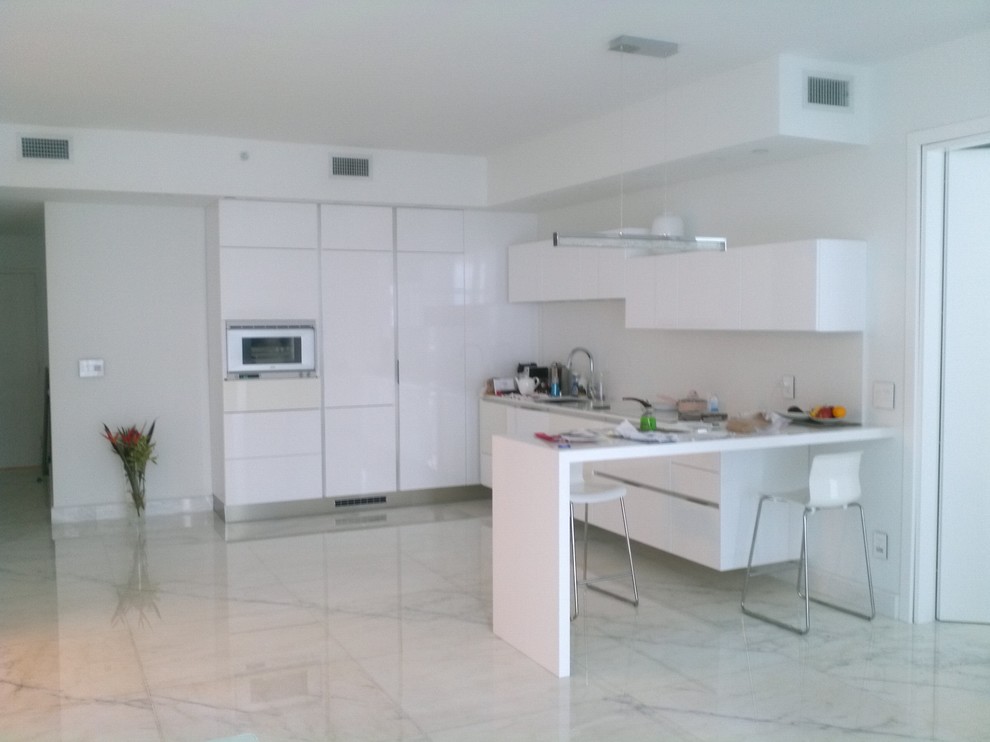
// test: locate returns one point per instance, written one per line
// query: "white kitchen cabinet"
(700, 507)
(538, 271)
(360, 450)
(268, 224)
(269, 284)
(431, 343)
(684, 291)
(811, 285)
(429, 230)
(345, 227)
(358, 328)
(272, 456)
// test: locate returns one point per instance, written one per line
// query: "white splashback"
(742, 368)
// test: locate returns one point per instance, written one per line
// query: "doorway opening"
(944, 366)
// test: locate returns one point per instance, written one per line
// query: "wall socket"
(879, 545)
(787, 386)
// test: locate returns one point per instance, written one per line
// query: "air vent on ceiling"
(351, 167)
(828, 91)
(44, 148)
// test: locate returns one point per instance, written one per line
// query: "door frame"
(923, 344)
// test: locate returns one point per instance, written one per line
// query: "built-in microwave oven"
(261, 348)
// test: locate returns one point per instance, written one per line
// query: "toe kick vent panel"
(350, 167)
(44, 148)
(350, 502)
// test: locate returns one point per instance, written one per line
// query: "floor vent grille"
(44, 148)
(350, 502)
(828, 91)
(351, 167)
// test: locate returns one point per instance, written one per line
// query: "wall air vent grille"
(44, 148)
(350, 167)
(828, 91)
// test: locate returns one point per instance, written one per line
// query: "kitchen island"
(530, 512)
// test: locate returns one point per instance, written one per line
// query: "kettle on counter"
(647, 419)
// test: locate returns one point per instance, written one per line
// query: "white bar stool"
(590, 493)
(833, 483)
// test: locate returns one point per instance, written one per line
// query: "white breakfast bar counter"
(530, 519)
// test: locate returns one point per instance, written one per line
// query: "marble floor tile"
(377, 626)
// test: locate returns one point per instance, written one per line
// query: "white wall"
(127, 284)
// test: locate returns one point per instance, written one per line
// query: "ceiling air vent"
(44, 148)
(828, 91)
(351, 167)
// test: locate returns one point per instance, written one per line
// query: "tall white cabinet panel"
(429, 230)
(358, 331)
(432, 429)
(358, 349)
(267, 224)
(360, 450)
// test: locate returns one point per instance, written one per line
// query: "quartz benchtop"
(716, 441)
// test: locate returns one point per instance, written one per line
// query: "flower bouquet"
(135, 449)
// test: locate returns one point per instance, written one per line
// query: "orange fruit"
(838, 411)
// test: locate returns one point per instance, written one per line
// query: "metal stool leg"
(574, 581)
(749, 569)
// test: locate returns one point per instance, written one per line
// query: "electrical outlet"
(880, 544)
(787, 386)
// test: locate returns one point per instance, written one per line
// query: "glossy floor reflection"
(380, 630)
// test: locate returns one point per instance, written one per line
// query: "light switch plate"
(883, 395)
(90, 368)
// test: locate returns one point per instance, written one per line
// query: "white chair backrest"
(834, 479)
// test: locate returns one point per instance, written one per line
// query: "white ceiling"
(455, 76)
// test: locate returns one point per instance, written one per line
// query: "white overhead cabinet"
(538, 271)
(813, 285)
(431, 343)
(358, 334)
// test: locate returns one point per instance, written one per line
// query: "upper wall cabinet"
(429, 230)
(809, 286)
(538, 271)
(268, 224)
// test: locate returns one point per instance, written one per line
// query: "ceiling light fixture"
(663, 240)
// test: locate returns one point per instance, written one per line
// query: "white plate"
(804, 417)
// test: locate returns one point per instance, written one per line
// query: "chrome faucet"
(591, 360)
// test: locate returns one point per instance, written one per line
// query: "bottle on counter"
(713, 404)
(555, 380)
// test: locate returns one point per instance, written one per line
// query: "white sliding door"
(964, 497)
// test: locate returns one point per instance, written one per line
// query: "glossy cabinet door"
(268, 224)
(538, 271)
(813, 285)
(432, 401)
(269, 284)
(358, 286)
(358, 328)
(429, 230)
(360, 450)
(272, 456)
